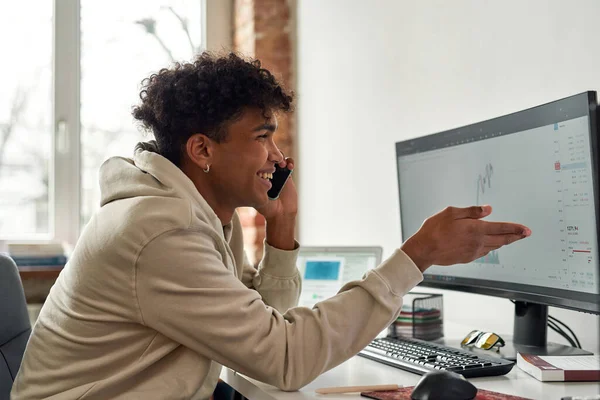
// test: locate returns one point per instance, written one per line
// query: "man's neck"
(224, 212)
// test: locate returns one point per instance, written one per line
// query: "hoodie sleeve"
(277, 278)
(189, 295)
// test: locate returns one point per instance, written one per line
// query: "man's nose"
(276, 155)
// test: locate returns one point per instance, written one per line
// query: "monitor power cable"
(557, 321)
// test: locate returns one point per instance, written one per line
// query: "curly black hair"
(203, 96)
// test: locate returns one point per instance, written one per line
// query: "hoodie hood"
(150, 174)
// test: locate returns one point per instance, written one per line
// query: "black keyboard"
(421, 357)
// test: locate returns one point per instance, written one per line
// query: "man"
(158, 295)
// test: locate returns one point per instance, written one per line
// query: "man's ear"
(199, 149)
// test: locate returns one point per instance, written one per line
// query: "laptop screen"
(325, 270)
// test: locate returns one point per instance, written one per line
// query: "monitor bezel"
(583, 104)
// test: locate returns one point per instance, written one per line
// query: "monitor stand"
(530, 333)
(529, 336)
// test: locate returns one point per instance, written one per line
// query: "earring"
(207, 168)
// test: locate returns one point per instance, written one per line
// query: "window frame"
(64, 197)
(65, 165)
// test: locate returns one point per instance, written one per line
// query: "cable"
(558, 330)
(562, 333)
(550, 317)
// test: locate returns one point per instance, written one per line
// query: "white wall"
(373, 73)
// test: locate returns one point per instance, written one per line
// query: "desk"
(362, 371)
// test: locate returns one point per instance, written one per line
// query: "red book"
(560, 368)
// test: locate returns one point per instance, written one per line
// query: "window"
(25, 118)
(52, 142)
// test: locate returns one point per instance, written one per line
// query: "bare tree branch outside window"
(21, 118)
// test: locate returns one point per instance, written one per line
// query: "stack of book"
(37, 254)
(560, 368)
(420, 323)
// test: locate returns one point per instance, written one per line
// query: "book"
(404, 394)
(560, 368)
(419, 332)
(50, 249)
(418, 317)
(43, 261)
(421, 323)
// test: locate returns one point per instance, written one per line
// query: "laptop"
(325, 270)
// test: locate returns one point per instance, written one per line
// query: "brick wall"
(263, 29)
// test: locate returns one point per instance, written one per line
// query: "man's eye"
(263, 136)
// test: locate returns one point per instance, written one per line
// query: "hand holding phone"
(280, 177)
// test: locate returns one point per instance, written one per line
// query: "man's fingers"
(496, 241)
(289, 162)
(286, 162)
(505, 228)
(475, 212)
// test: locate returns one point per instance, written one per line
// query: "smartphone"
(280, 177)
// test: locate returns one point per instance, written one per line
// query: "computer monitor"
(538, 167)
(325, 270)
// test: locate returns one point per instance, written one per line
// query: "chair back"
(14, 324)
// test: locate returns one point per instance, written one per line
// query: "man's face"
(244, 161)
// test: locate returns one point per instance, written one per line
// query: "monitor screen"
(325, 270)
(537, 167)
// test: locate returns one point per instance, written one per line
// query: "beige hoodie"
(157, 296)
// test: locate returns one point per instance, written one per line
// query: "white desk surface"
(362, 371)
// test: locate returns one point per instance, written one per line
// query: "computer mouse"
(446, 385)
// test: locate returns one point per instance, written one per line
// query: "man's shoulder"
(144, 216)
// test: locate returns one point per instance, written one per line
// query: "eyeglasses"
(482, 340)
